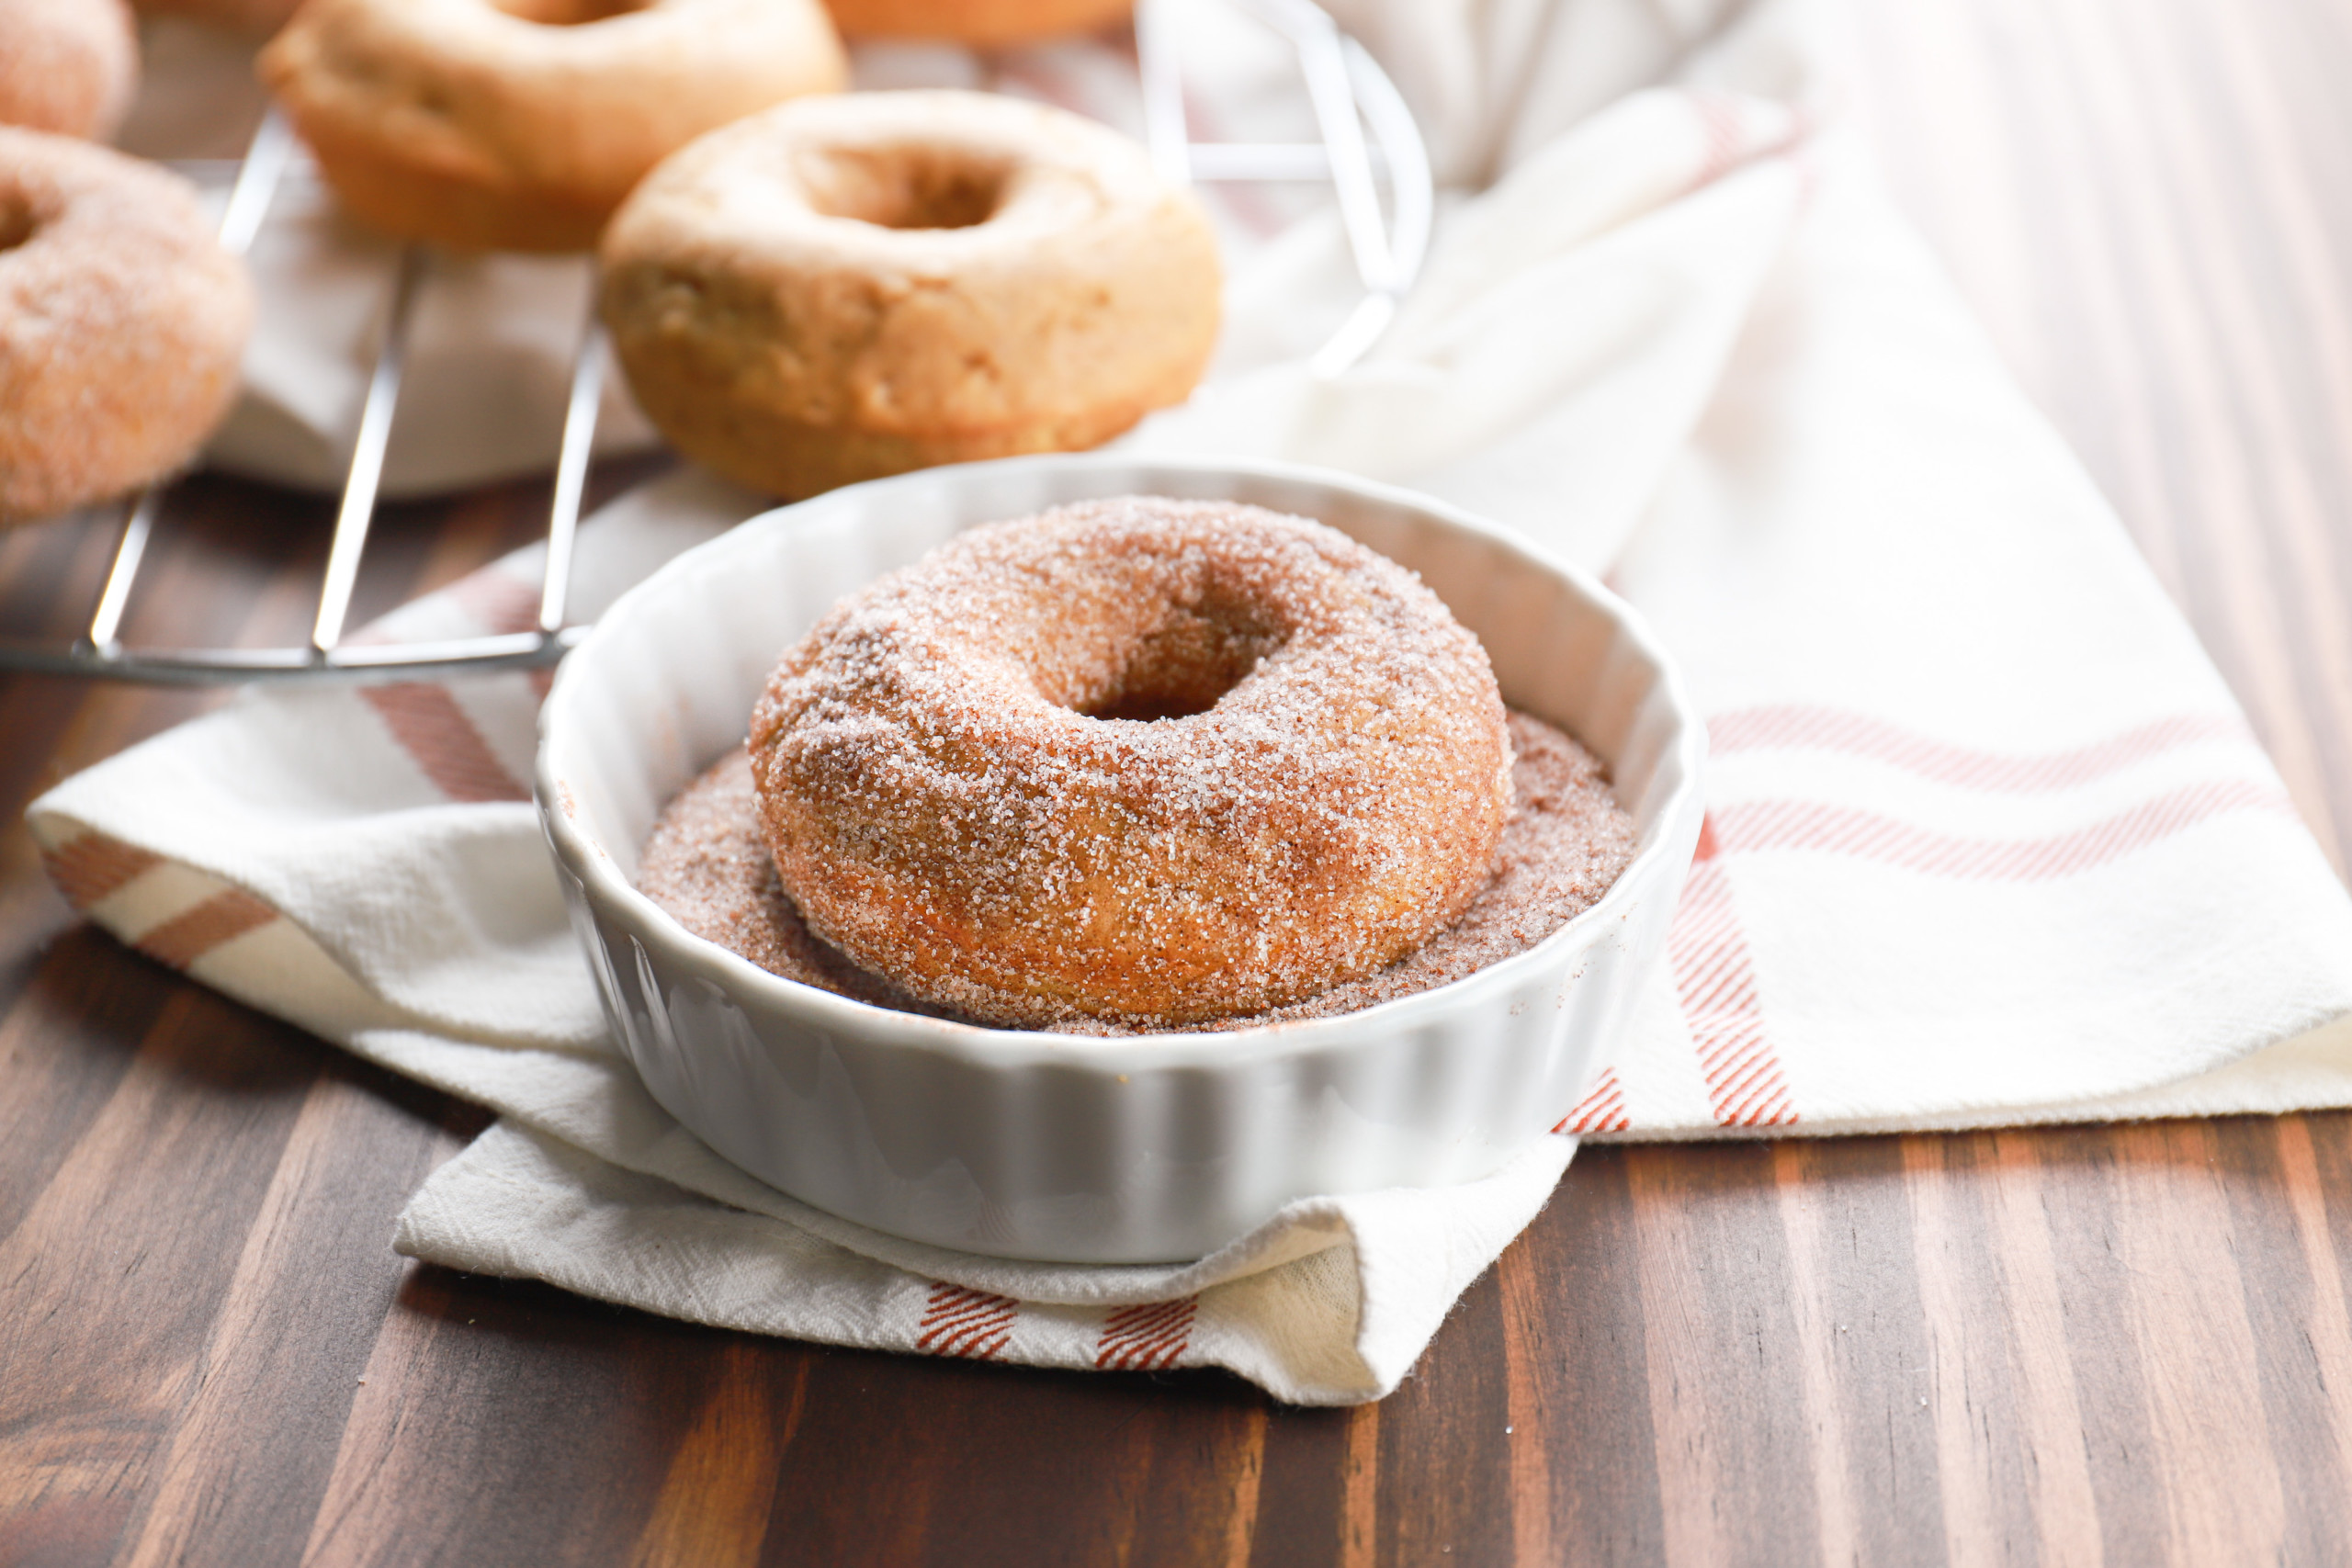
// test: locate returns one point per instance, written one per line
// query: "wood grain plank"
(503, 1422)
(114, 1276)
(1444, 1466)
(249, 1456)
(2298, 1330)
(2222, 1497)
(1303, 1489)
(1129, 1468)
(719, 1490)
(1200, 1491)
(2009, 1430)
(1360, 1499)
(1247, 1471)
(1583, 1454)
(1712, 1264)
(2125, 1279)
(1861, 1349)
(61, 1055)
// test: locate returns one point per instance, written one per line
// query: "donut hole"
(904, 187)
(17, 223)
(569, 13)
(1182, 667)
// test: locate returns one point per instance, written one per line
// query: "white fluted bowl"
(1079, 1148)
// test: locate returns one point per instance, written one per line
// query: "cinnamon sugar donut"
(1140, 760)
(707, 863)
(122, 322)
(845, 288)
(976, 21)
(521, 124)
(67, 65)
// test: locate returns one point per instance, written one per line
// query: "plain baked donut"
(68, 66)
(845, 288)
(976, 21)
(521, 124)
(122, 322)
(1144, 760)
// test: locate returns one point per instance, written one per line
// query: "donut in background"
(520, 125)
(845, 288)
(69, 66)
(121, 323)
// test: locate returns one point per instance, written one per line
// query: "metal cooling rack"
(1367, 139)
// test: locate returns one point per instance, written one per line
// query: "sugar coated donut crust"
(965, 789)
(846, 287)
(70, 66)
(976, 21)
(122, 323)
(492, 124)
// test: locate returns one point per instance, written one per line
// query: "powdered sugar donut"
(1140, 760)
(67, 65)
(121, 323)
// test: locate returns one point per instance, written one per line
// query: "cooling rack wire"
(1367, 142)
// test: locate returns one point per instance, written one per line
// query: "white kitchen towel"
(1988, 842)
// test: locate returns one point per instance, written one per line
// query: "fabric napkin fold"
(1988, 841)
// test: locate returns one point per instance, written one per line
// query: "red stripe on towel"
(505, 606)
(1803, 728)
(182, 939)
(88, 867)
(1719, 126)
(1716, 981)
(427, 719)
(963, 1322)
(1601, 1110)
(501, 604)
(1833, 830)
(1145, 1339)
(435, 732)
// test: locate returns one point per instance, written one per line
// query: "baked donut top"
(1143, 759)
(899, 179)
(522, 96)
(964, 274)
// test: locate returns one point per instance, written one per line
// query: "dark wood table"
(2127, 1345)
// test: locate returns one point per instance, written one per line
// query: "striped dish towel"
(1987, 841)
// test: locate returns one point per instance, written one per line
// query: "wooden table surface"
(2127, 1345)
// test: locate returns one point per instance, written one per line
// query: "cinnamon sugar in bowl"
(1090, 1148)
